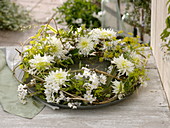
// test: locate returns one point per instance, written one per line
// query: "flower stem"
(35, 76)
(109, 79)
(74, 97)
(107, 101)
(107, 74)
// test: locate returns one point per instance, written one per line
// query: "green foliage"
(78, 12)
(12, 16)
(165, 35)
(166, 31)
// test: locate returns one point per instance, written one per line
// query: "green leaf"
(108, 95)
(51, 28)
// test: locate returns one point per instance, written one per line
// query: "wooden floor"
(147, 108)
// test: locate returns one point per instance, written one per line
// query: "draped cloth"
(8, 89)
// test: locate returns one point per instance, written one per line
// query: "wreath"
(82, 67)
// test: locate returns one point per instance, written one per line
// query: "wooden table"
(147, 108)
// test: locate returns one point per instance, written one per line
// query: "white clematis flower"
(118, 89)
(56, 78)
(59, 52)
(124, 66)
(53, 82)
(85, 45)
(102, 34)
(41, 61)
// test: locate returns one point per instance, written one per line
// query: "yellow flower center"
(124, 64)
(84, 44)
(59, 76)
(105, 34)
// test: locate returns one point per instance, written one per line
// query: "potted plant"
(77, 12)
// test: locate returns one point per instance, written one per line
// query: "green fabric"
(8, 94)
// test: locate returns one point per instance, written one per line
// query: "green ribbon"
(8, 94)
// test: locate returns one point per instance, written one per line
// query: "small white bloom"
(86, 72)
(101, 13)
(70, 105)
(89, 97)
(32, 71)
(21, 87)
(78, 76)
(91, 86)
(124, 66)
(22, 92)
(68, 46)
(79, 29)
(88, 92)
(95, 81)
(67, 99)
(77, 21)
(85, 45)
(73, 105)
(98, 15)
(110, 68)
(118, 89)
(61, 97)
(33, 81)
(95, 34)
(103, 79)
(120, 96)
(49, 92)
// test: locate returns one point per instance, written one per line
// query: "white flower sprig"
(22, 93)
(53, 83)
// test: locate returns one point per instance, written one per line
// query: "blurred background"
(20, 19)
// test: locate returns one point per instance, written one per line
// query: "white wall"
(159, 14)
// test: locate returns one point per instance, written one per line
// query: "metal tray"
(58, 106)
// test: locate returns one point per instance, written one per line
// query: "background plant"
(12, 16)
(138, 14)
(165, 35)
(77, 12)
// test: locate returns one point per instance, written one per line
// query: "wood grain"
(147, 108)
